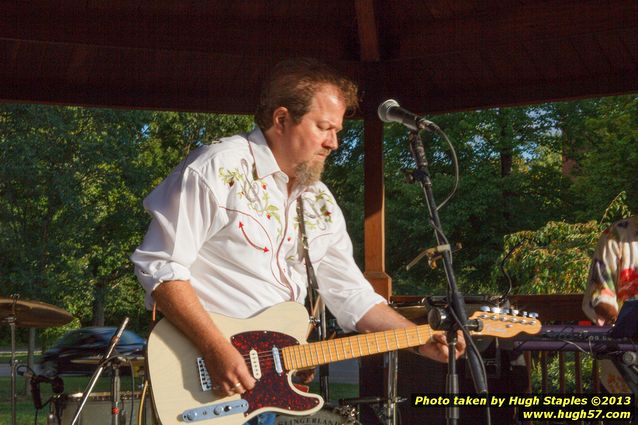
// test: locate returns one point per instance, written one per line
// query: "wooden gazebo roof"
(432, 56)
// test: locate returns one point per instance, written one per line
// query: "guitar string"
(414, 332)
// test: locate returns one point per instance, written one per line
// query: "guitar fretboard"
(334, 350)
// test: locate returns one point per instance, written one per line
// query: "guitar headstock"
(505, 323)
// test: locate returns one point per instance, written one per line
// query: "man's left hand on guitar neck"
(381, 318)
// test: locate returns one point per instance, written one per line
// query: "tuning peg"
(514, 312)
(484, 309)
(533, 315)
(524, 313)
(496, 310)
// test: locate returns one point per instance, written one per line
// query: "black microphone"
(390, 111)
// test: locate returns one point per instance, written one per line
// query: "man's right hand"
(228, 370)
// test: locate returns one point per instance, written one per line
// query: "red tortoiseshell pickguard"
(272, 389)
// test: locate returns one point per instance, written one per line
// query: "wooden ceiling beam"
(527, 23)
(540, 91)
(199, 33)
(368, 32)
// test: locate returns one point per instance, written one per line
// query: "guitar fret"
(286, 354)
(419, 336)
(308, 352)
(359, 344)
(336, 349)
(329, 352)
(377, 342)
(407, 337)
(387, 344)
(396, 339)
(305, 355)
(352, 355)
(323, 352)
(312, 360)
(297, 356)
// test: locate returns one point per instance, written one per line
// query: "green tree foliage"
(534, 178)
(555, 258)
(72, 181)
(607, 164)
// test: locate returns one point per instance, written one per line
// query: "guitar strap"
(318, 311)
(313, 288)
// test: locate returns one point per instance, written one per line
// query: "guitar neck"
(334, 350)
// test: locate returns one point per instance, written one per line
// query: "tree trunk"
(98, 306)
(506, 171)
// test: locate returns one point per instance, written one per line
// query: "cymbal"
(411, 312)
(33, 314)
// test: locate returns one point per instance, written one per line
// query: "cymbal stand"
(98, 372)
(116, 399)
(11, 320)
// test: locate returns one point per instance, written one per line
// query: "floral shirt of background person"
(613, 277)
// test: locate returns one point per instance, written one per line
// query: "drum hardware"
(97, 410)
(114, 362)
(392, 360)
(27, 314)
(328, 415)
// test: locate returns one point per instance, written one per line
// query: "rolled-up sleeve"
(183, 209)
(346, 292)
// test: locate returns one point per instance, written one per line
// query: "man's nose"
(332, 141)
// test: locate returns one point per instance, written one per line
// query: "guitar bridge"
(204, 377)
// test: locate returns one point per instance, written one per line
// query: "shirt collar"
(265, 162)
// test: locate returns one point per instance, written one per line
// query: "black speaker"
(506, 374)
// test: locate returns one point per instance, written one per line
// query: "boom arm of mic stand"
(455, 298)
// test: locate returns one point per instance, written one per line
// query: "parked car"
(73, 353)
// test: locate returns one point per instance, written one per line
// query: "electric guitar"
(273, 344)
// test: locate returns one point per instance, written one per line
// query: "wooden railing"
(552, 309)
(557, 309)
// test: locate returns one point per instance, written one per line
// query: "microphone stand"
(96, 375)
(456, 303)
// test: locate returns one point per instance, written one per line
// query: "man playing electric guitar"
(224, 236)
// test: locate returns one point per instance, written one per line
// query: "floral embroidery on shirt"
(317, 211)
(254, 190)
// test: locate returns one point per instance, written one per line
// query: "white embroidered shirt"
(223, 220)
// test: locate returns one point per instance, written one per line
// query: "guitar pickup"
(204, 377)
(214, 411)
(254, 364)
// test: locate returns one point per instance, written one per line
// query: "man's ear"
(279, 118)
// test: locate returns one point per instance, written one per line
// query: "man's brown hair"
(294, 82)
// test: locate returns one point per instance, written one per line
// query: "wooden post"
(578, 373)
(374, 198)
(561, 372)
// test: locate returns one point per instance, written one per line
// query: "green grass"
(338, 391)
(26, 411)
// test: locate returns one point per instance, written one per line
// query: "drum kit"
(97, 408)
